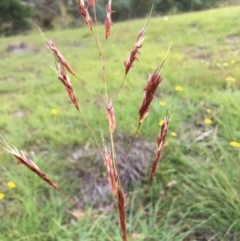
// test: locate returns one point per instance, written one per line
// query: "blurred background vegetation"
(16, 15)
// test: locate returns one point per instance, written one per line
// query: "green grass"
(205, 199)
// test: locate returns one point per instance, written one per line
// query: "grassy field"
(195, 194)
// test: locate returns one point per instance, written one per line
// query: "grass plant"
(194, 195)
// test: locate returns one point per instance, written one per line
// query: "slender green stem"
(120, 87)
(130, 147)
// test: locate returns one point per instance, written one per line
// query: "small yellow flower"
(173, 134)
(178, 88)
(161, 122)
(1, 196)
(11, 184)
(230, 79)
(208, 110)
(166, 143)
(54, 111)
(201, 102)
(235, 144)
(208, 121)
(232, 61)
(162, 103)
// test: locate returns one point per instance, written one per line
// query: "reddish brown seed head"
(112, 175)
(160, 144)
(63, 76)
(29, 164)
(133, 55)
(111, 118)
(108, 19)
(154, 80)
(84, 13)
(59, 57)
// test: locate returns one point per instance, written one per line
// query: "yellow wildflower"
(161, 122)
(1, 196)
(208, 110)
(11, 184)
(173, 134)
(178, 88)
(232, 61)
(208, 121)
(230, 79)
(201, 102)
(162, 103)
(54, 111)
(235, 144)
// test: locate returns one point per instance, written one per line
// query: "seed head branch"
(84, 13)
(154, 80)
(108, 19)
(19, 155)
(160, 144)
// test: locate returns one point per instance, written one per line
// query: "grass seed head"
(160, 144)
(84, 13)
(29, 164)
(111, 118)
(112, 175)
(154, 80)
(108, 20)
(63, 76)
(133, 55)
(59, 57)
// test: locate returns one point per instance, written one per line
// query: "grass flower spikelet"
(108, 20)
(154, 80)
(111, 118)
(160, 144)
(112, 175)
(63, 76)
(84, 13)
(29, 164)
(59, 57)
(138, 44)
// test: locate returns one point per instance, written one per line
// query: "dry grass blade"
(28, 163)
(84, 13)
(108, 20)
(160, 144)
(121, 212)
(154, 80)
(112, 175)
